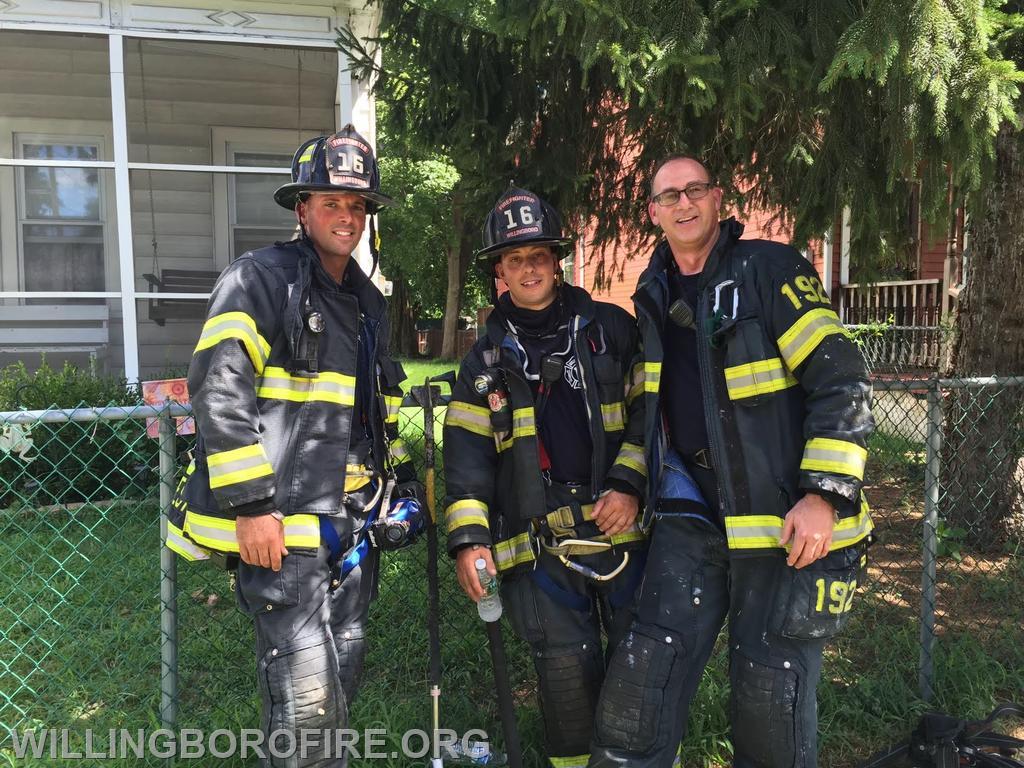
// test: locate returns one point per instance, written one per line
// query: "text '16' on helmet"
(343, 162)
(521, 218)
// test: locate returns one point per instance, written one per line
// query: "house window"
(60, 218)
(256, 220)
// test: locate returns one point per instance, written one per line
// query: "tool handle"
(506, 706)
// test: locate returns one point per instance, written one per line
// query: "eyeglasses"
(692, 191)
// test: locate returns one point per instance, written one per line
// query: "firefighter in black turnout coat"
(755, 392)
(296, 403)
(546, 489)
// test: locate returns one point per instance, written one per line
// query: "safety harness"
(943, 741)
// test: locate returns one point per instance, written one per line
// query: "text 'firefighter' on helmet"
(343, 162)
(521, 218)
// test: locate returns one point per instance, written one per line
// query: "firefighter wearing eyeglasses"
(544, 465)
(755, 392)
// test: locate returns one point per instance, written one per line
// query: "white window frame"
(109, 227)
(226, 141)
(352, 102)
(14, 132)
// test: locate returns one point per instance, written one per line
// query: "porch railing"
(909, 303)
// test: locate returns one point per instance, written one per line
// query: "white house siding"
(197, 99)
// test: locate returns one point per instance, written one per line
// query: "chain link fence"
(101, 628)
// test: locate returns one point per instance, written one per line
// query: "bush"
(44, 464)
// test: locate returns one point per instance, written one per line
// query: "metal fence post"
(168, 580)
(926, 667)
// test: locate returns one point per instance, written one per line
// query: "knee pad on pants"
(765, 728)
(301, 691)
(634, 693)
(569, 681)
(350, 643)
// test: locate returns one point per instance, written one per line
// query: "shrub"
(43, 464)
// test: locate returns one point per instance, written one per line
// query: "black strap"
(939, 741)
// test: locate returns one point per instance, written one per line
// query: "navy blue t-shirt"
(681, 391)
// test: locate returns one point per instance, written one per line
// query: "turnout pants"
(560, 614)
(690, 586)
(310, 645)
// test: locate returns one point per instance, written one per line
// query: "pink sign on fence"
(159, 392)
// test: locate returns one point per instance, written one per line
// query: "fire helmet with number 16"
(343, 162)
(521, 218)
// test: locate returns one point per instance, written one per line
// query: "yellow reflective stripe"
(327, 386)
(238, 465)
(632, 456)
(300, 531)
(577, 761)
(399, 451)
(465, 512)
(636, 383)
(501, 445)
(306, 157)
(753, 531)
(850, 530)
(763, 531)
(823, 454)
(652, 377)
(758, 378)
(614, 416)
(471, 418)
(239, 326)
(392, 404)
(804, 336)
(523, 423)
(513, 552)
(176, 542)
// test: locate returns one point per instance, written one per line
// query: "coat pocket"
(814, 603)
(752, 373)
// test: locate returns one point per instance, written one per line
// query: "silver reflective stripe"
(614, 417)
(512, 552)
(466, 512)
(248, 462)
(523, 423)
(307, 386)
(399, 451)
(803, 337)
(469, 417)
(758, 378)
(187, 549)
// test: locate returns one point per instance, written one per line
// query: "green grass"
(80, 643)
(416, 370)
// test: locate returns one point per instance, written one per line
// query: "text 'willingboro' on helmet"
(521, 218)
(343, 162)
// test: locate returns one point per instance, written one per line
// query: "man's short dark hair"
(679, 156)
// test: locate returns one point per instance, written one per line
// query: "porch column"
(125, 251)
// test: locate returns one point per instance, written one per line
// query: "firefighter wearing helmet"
(298, 460)
(546, 489)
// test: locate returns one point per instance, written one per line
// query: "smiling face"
(334, 222)
(529, 273)
(690, 226)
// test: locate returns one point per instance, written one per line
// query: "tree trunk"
(983, 451)
(402, 318)
(460, 254)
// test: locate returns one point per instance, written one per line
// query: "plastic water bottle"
(489, 606)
